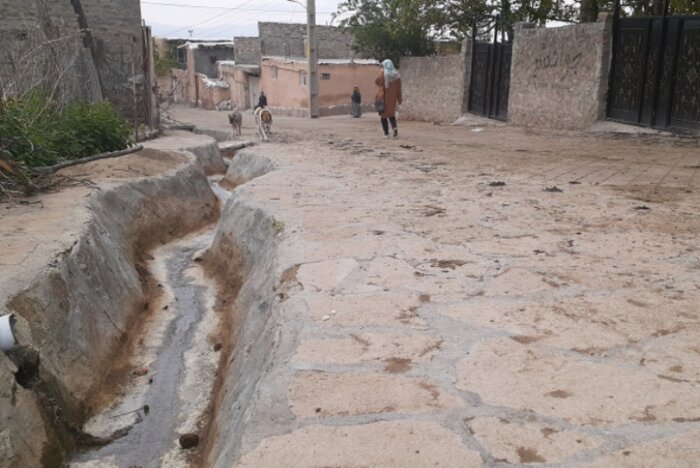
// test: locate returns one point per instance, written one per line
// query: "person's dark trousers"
(385, 124)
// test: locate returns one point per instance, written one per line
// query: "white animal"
(263, 119)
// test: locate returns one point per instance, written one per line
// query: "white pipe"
(7, 335)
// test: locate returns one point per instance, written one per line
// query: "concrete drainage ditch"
(133, 339)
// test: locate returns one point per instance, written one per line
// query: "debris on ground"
(188, 441)
(553, 189)
(641, 207)
(140, 372)
(497, 184)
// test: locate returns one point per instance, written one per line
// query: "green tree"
(392, 28)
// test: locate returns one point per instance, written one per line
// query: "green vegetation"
(164, 64)
(395, 28)
(35, 132)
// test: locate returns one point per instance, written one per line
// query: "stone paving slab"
(451, 311)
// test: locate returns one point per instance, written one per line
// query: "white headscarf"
(390, 73)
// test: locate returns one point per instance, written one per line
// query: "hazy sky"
(223, 19)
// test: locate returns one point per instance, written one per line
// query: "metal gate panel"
(685, 108)
(503, 90)
(629, 64)
(490, 80)
(478, 89)
(655, 72)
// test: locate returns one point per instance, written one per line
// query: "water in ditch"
(173, 369)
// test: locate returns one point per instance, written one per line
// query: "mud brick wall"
(288, 40)
(206, 58)
(436, 89)
(116, 29)
(559, 76)
(247, 50)
(41, 44)
(117, 55)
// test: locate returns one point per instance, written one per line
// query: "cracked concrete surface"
(432, 316)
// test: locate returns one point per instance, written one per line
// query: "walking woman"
(388, 96)
(356, 99)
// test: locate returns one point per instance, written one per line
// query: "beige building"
(285, 82)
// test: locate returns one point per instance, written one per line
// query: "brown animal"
(235, 118)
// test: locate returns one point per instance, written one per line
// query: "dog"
(263, 119)
(235, 118)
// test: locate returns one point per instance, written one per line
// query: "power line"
(211, 7)
(226, 12)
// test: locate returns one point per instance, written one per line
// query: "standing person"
(356, 102)
(262, 102)
(389, 93)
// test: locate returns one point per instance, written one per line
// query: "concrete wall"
(42, 47)
(99, 63)
(247, 50)
(559, 76)
(286, 94)
(116, 29)
(205, 58)
(239, 85)
(288, 40)
(436, 89)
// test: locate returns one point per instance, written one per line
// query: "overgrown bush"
(35, 132)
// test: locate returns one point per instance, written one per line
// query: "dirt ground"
(481, 294)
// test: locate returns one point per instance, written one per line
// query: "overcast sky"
(224, 19)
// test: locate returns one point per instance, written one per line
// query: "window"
(325, 76)
(275, 72)
(302, 78)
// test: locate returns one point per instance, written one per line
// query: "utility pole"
(312, 43)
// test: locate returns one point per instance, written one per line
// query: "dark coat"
(391, 96)
(356, 97)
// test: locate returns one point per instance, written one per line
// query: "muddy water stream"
(178, 363)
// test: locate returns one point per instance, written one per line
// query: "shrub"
(35, 132)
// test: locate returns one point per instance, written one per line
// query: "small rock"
(642, 207)
(188, 441)
(333, 312)
(318, 410)
(497, 184)
(146, 409)
(326, 317)
(553, 189)
(217, 347)
(140, 372)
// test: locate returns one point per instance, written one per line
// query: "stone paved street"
(477, 295)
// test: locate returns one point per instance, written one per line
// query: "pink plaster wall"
(238, 86)
(286, 92)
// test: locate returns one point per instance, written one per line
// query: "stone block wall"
(436, 89)
(42, 47)
(116, 29)
(206, 58)
(247, 50)
(288, 40)
(100, 63)
(559, 76)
